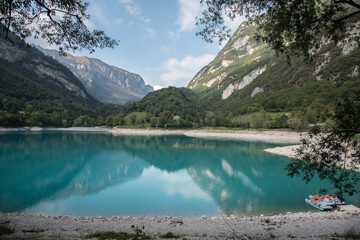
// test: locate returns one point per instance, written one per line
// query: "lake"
(97, 174)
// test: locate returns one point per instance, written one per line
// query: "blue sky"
(157, 38)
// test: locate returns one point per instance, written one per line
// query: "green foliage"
(117, 235)
(138, 235)
(5, 230)
(347, 235)
(67, 30)
(169, 235)
(166, 108)
(290, 28)
(33, 231)
(261, 119)
(334, 154)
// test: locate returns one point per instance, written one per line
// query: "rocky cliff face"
(229, 71)
(107, 83)
(39, 64)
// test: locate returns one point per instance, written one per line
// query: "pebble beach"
(304, 225)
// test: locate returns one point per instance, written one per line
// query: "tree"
(289, 27)
(58, 22)
(335, 154)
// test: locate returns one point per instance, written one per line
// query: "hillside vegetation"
(36, 90)
(166, 108)
(246, 77)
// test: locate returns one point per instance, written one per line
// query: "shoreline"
(275, 136)
(281, 226)
(281, 137)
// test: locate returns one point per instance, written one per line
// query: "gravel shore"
(307, 225)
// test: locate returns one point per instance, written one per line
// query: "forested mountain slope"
(169, 107)
(247, 77)
(106, 83)
(36, 90)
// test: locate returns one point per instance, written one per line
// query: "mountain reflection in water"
(100, 174)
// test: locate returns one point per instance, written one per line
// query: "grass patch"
(138, 235)
(33, 231)
(349, 235)
(291, 236)
(5, 230)
(169, 235)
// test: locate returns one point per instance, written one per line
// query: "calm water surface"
(92, 174)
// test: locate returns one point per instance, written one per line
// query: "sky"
(157, 38)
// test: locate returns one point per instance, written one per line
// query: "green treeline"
(180, 108)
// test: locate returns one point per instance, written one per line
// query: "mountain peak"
(109, 84)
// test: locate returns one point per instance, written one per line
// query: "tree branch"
(345, 17)
(350, 2)
(49, 11)
(9, 22)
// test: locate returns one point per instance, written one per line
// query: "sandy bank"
(308, 225)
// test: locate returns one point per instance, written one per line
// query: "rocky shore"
(306, 225)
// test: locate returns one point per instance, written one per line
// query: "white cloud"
(233, 24)
(189, 9)
(168, 49)
(42, 43)
(176, 183)
(173, 35)
(157, 87)
(97, 11)
(150, 33)
(118, 21)
(180, 72)
(134, 10)
(181, 183)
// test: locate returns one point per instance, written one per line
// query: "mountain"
(106, 83)
(36, 90)
(246, 77)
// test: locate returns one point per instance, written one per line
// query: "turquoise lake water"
(92, 174)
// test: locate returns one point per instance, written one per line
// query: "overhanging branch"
(350, 2)
(346, 17)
